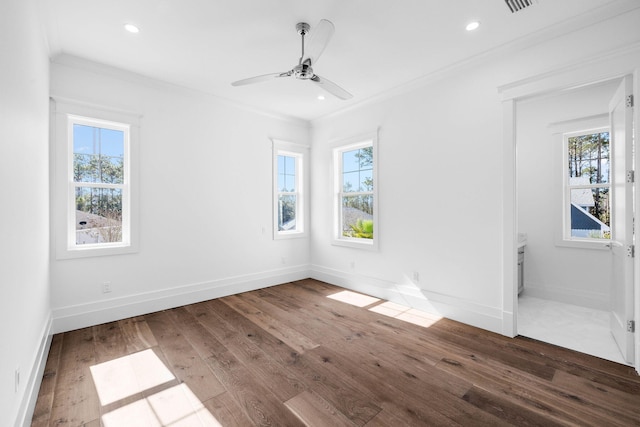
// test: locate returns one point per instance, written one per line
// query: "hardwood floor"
(289, 355)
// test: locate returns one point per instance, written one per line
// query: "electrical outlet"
(352, 265)
(17, 380)
(106, 287)
(416, 276)
(284, 260)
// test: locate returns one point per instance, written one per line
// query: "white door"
(621, 121)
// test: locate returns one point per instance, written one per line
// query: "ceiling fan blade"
(318, 40)
(259, 79)
(331, 87)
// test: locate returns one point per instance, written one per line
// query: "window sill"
(585, 244)
(289, 235)
(367, 244)
(95, 252)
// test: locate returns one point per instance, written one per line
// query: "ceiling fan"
(320, 38)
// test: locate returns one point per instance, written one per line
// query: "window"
(355, 194)
(94, 182)
(289, 190)
(99, 183)
(586, 203)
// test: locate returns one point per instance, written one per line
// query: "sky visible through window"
(286, 174)
(357, 170)
(107, 142)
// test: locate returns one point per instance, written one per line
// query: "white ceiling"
(378, 45)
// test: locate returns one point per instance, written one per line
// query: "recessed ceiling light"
(321, 97)
(131, 28)
(473, 25)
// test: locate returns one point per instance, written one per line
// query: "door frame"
(616, 64)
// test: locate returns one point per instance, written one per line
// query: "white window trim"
(65, 113)
(339, 147)
(301, 154)
(561, 132)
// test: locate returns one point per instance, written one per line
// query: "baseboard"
(30, 396)
(95, 313)
(454, 308)
(595, 300)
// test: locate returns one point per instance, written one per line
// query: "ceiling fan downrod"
(302, 28)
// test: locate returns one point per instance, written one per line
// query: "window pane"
(357, 216)
(287, 212)
(98, 155)
(365, 156)
(589, 157)
(286, 173)
(366, 180)
(350, 182)
(590, 213)
(290, 165)
(281, 164)
(350, 161)
(281, 185)
(290, 182)
(98, 215)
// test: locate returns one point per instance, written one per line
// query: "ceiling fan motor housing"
(302, 28)
(303, 71)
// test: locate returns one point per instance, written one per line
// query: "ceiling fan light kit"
(303, 71)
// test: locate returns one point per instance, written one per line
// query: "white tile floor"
(578, 328)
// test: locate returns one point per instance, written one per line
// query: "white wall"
(566, 274)
(441, 173)
(24, 217)
(205, 201)
(439, 202)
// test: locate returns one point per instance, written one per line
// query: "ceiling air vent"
(518, 5)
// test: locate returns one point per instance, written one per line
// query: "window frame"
(561, 134)
(340, 147)
(299, 153)
(66, 115)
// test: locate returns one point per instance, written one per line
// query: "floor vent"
(518, 5)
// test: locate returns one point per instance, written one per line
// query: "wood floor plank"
(508, 410)
(313, 410)
(301, 318)
(276, 328)
(531, 393)
(389, 417)
(279, 380)
(137, 335)
(184, 360)
(352, 399)
(289, 355)
(226, 411)
(556, 357)
(76, 400)
(258, 404)
(44, 403)
(599, 395)
(441, 403)
(109, 342)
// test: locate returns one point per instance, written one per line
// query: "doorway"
(569, 269)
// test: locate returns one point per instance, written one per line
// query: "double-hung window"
(94, 200)
(587, 210)
(355, 211)
(288, 190)
(98, 186)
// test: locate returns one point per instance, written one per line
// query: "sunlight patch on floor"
(174, 407)
(408, 314)
(128, 375)
(354, 298)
